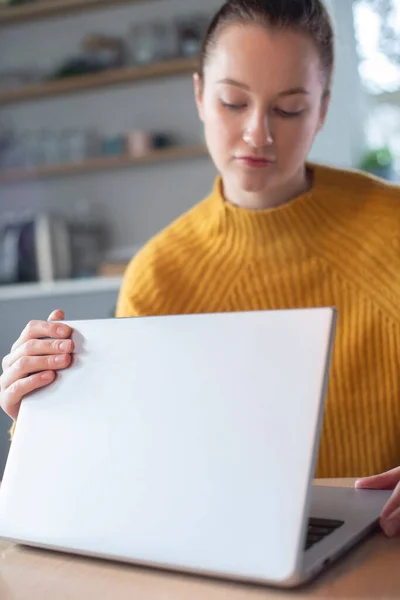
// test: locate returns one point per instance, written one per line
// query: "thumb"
(384, 481)
(57, 315)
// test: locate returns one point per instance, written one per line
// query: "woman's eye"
(288, 114)
(232, 105)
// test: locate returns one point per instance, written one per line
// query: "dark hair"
(307, 16)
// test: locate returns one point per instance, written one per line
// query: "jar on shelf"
(150, 42)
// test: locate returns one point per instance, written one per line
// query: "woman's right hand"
(32, 361)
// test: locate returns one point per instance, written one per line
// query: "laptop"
(187, 443)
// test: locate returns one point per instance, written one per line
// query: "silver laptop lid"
(186, 442)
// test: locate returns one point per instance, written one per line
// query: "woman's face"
(262, 104)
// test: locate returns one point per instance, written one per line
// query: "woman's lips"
(254, 161)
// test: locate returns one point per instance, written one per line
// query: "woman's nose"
(258, 131)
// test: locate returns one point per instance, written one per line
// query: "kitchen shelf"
(80, 83)
(42, 9)
(102, 163)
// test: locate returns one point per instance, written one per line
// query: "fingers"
(57, 315)
(393, 503)
(26, 365)
(390, 517)
(42, 329)
(384, 481)
(38, 348)
(11, 398)
(42, 348)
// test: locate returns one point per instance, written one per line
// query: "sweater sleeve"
(126, 300)
(140, 294)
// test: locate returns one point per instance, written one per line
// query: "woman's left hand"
(390, 517)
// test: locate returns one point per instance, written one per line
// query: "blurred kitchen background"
(101, 147)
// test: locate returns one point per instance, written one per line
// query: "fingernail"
(46, 376)
(62, 330)
(394, 515)
(391, 524)
(59, 359)
(390, 528)
(65, 346)
(362, 482)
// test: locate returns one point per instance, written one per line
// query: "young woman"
(275, 232)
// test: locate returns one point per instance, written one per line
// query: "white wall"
(138, 202)
(342, 141)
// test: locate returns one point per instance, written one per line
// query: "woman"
(275, 232)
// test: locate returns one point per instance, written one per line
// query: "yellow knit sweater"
(336, 245)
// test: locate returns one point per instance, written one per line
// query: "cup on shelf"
(33, 152)
(114, 146)
(190, 32)
(49, 148)
(139, 143)
(163, 140)
(168, 42)
(77, 145)
(153, 41)
(143, 43)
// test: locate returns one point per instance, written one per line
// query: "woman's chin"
(256, 184)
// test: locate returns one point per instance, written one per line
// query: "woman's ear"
(324, 110)
(198, 94)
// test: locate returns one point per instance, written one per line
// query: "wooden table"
(372, 570)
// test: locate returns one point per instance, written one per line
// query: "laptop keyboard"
(318, 529)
